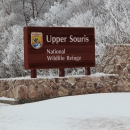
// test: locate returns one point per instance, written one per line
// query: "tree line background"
(111, 19)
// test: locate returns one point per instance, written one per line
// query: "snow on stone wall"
(115, 63)
(40, 88)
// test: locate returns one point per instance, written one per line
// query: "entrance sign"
(58, 47)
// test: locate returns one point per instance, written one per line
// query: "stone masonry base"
(29, 90)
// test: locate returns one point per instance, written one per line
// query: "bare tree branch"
(41, 7)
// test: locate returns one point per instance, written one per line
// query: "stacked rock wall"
(116, 60)
(115, 63)
(38, 89)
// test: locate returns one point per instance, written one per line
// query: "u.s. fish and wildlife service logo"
(36, 40)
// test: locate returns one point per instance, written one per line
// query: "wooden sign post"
(58, 47)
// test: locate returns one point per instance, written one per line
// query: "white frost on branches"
(110, 18)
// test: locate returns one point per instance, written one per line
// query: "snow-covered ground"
(87, 112)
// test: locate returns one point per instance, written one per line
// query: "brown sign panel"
(58, 47)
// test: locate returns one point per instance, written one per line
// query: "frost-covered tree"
(13, 19)
(12, 64)
(110, 18)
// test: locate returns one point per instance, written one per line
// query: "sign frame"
(75, 41)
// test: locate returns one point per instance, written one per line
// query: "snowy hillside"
(88, 112)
